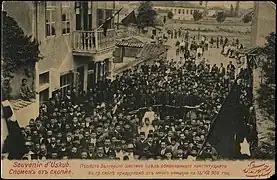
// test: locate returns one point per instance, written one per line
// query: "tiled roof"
(130, 44)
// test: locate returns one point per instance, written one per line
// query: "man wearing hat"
(140, 143)
(146, 127)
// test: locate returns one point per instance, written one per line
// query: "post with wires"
(198, 34)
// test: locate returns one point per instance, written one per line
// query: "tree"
(221, 16)
(266, 92)
(197, 15)
(147, 16)
(247, 18)
(19, 50)
(170, 15)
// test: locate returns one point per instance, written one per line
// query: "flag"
(130, 19)
(228, 126)
(12, 141)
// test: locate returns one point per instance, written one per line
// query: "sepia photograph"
(137, 81)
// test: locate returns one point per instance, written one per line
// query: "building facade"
(76, 52)
(263, 23)
(213, 11)
(180, 10)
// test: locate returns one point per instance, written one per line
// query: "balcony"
(88, 43)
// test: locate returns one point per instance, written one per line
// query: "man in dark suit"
(140, 144)
(100, 154)
(107, 148)
(221, 70)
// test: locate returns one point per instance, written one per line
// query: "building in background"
(213, 11)
(181, 10)
(264, 22)
(76, 53)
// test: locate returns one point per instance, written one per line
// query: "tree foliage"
(170, 15)
(247, 18)
(197, 15)
(221, 16)
(266, 92)
(147, 16)
(19, 51)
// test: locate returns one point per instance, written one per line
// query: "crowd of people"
(110, 122)
(158, 110)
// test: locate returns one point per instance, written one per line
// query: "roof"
(180, 4)
(129, 44)
(132, 42)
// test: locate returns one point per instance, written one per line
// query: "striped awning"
(130, 44)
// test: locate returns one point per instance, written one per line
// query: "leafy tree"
(266, 92)
(19, 50)
(197, 15)
(147, 16)
(170, 15)
(247, 18)
(221, 16)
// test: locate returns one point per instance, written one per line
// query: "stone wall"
(264, 23)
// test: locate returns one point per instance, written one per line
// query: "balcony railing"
(93, 41)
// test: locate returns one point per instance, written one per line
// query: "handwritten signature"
(257, 170)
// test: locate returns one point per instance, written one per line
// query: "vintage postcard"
(138, 89)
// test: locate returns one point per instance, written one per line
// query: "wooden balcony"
(88, 43)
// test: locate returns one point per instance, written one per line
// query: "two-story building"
(76, 52)
(181, 10)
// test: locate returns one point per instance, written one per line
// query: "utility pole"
(206, 8)
(237, 8)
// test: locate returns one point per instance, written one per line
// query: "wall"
(116, 55)
(182, 16)
(264, 23)
(56, 50)
(131, 52)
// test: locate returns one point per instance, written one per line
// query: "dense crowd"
(158, 110)
(161, 110)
